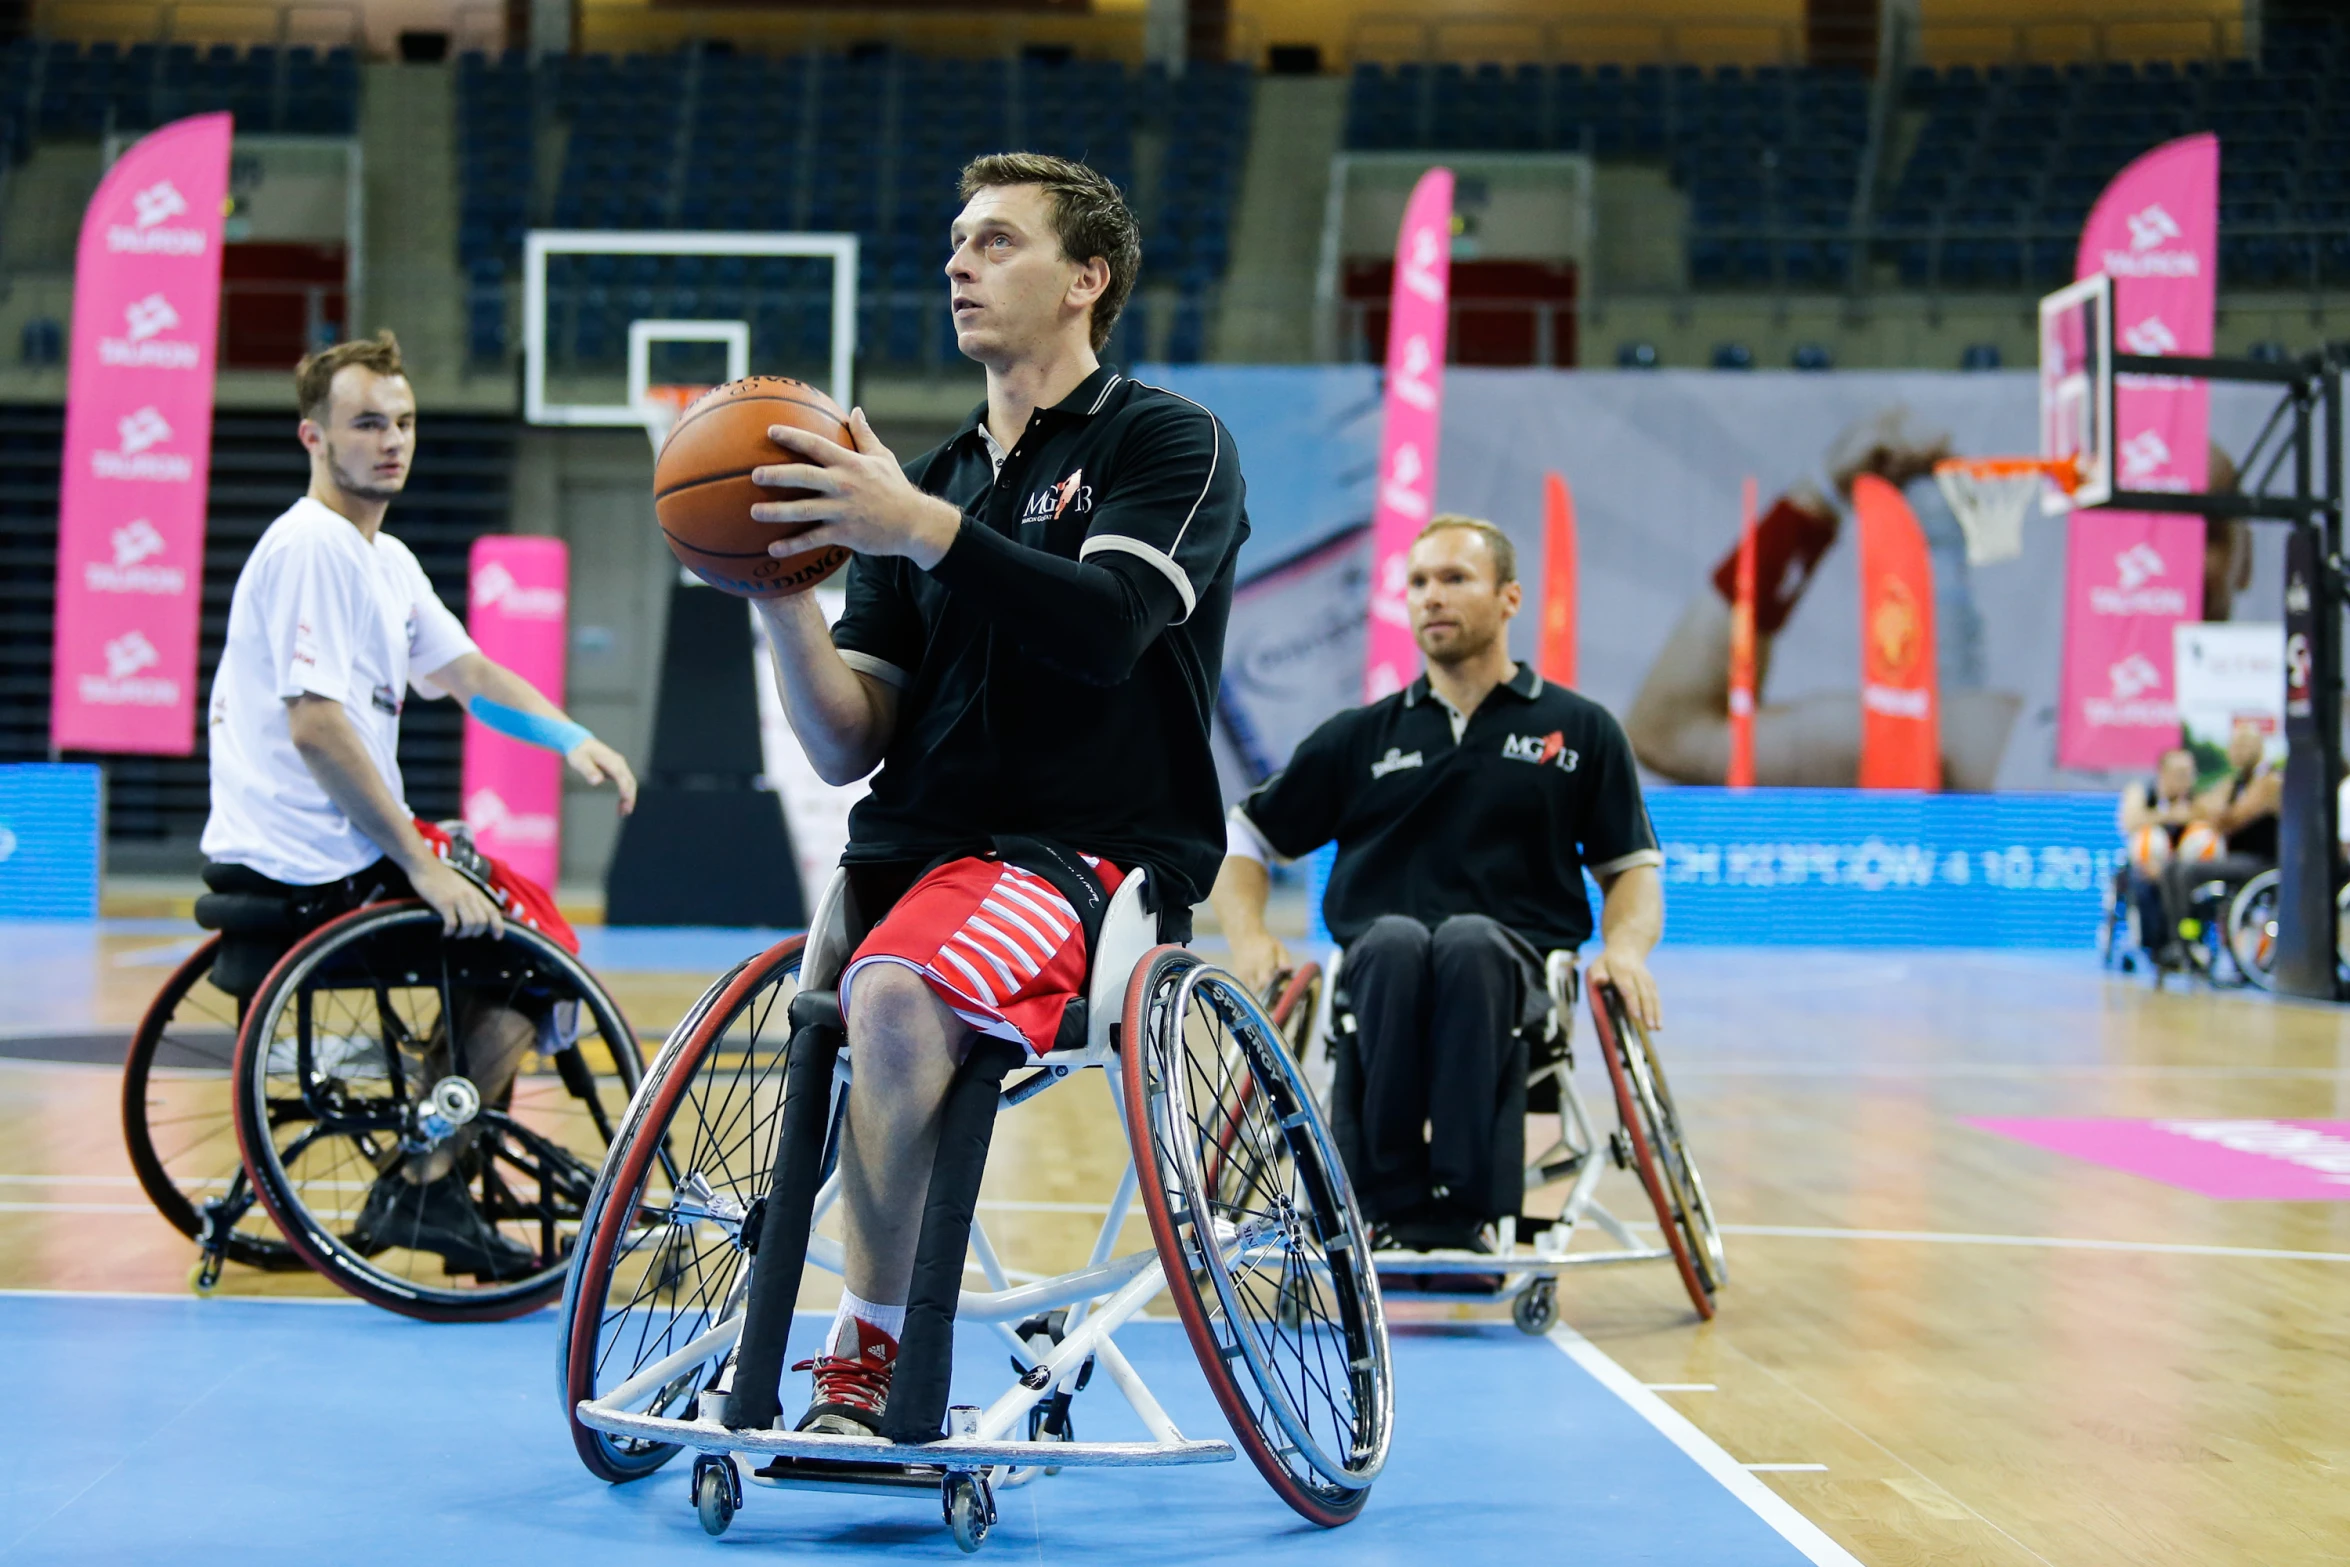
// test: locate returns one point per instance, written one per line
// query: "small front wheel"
(1536, 1307)
(714, 1499)
(970, 1510)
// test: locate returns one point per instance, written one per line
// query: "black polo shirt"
(1502, 822)
(996, 731)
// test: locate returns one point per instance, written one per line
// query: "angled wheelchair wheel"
(177, 1122)
(1296, 997)
(1268, 1260)
(2252, 929)
(1659, 1150)
(661, 1259)
(355, 1073)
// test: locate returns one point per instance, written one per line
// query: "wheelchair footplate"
(849, 1459)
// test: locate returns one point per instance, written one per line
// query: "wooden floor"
(1998, 1354)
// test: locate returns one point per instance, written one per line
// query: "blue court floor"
(186, 1431)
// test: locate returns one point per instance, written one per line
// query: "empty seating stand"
(61, 89)
(1993, 189)
(869, 143)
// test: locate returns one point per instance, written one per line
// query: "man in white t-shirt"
(332, 624)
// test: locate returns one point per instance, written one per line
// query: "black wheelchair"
(1649, 1140)
(708, 1212)
(264, 1119)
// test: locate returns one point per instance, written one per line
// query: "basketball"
(2150, 850)
(2199, 843)
(703, 494)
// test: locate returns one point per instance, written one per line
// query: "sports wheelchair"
(703, 1222)
(259, 1121)
(2250, 930)
(1648, 1140)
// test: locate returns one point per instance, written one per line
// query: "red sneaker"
(852, 1390)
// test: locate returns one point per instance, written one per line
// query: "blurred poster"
(1293, 654)
(1656, 460)
(2226, 675)
(815, 813)
(518, 605)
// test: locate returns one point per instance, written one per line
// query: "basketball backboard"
(788, 300)
(2076, 386)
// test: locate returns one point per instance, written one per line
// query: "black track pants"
(1429, 1103)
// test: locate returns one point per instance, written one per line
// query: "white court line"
(76, 1207)
(1766, 1504)
(2045, 1242)
(189, 1297)
(69, 1180)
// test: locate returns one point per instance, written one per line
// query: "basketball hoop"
(1990, 497)
(663, 406)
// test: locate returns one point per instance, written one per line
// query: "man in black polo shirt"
(1466, 809)
(1032, 645)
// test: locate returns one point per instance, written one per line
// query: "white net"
(662, 406)
(1991, 498)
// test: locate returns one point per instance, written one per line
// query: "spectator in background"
(2156, 818)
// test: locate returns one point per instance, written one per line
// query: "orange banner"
(1554, 659)
(1741, 770)
(1900, 700)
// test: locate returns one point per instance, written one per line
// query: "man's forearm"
(1242, 889)
(1632, 911)
(837, 715)
(503, 685)
(331, 749)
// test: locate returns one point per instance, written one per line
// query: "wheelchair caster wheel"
(1536, 1307)
(1619, 1148)
(204, 1277)
(718, 1492)
(970, 1510)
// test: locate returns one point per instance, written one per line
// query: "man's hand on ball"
(859, 498)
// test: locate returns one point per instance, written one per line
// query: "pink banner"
(138, 446)
(2234, 1161)
(2131, 576)
(1408, 433)
(517, 607)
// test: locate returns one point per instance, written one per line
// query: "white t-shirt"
(318, 610)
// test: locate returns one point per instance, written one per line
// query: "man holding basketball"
(1032, 646)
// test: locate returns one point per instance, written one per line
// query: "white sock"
(890, 1319)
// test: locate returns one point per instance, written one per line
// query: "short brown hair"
(314, 377)
(1090, 218)
(1497, 543)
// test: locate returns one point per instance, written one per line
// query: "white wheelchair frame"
(986, 1447)
(1530, 1268)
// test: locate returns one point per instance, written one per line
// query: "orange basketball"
(703, 494)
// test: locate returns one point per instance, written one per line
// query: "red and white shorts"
(998, 945)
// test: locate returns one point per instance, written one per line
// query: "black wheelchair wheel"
(177, 1122)
(661, 1260)
(349, 1074)
(1660, 1150)
(2252, 929)
(1268, 1260)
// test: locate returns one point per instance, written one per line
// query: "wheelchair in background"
(1532, 1251)
(706, 1216)
(261, 1118)
(2250, 931)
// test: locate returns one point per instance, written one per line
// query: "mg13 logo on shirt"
(1072, 493)
(1540, 749)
